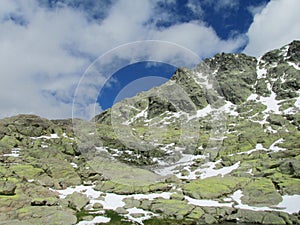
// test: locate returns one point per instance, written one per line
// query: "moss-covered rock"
(26, 171)
(7, 187)
(213, 187)
(110, 186)
(261, 192)
(260, 217)
(77, 201)
(46, 215)
(171, 208)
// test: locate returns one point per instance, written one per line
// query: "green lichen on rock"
(140, 133)
(46, 215)
(261, 192)
(119, 188)
(77, 201)
(260, 217)
(171, 208)
(213, 187)
(26, 171)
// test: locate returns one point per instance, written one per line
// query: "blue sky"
(47, 45)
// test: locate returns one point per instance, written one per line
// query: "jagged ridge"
(226, 131)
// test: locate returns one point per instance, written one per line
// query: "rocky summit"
(215, 144)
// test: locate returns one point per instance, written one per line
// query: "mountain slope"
(216, 143)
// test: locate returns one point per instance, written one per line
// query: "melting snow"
(297, 103)
(15, 152)
(205, 81)
(257, 148)
(211, 172)
(88, 190)
(207, 170)
(271, 103)
(294, 65)
(289, 204)
(112, 201)
(139, 220)
(96, 220)
(74, 165)
(204, 202)
(252, 97)
(143, 114)
(101, 149)
(66, 136)
(229, 108)
(165, 195)
(201, 113)
(187, 159)
(275, 148)
(261, 73)
(52, 136)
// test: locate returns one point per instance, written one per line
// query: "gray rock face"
(7, 188)
(231, 125)
(77, 201)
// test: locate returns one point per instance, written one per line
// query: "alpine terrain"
(215, 144)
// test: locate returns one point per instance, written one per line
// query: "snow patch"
(275, 148)
(165, 195)
(143, 114)
(289, 203)
(112, 201)
(74, 165)
(15, 152)
(201, 113)
(88, 190)
(139, 220)
(96, 220)
(211, 172)
(294, 65)
(204, 202)
(261, 73)
(271, 103)
(252, 97)
(186, 160)
(229, 108)
(52, 136)
(297, 103)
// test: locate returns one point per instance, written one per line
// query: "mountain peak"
(214, 134)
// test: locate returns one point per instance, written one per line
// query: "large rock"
(291, 167)
(123, 189)
(61, 171)
(259, 217)
(77, 201)
(261, 192)
(171, 208)
(213, 187)
(7, 187)
(53, 215)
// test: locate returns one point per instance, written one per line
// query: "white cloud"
(276, 25)
(256, 9)
(42, 61)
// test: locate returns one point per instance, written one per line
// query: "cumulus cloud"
(256, 9)
(44, 51)
(276, 25)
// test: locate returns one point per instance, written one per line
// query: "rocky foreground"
(231, 154)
